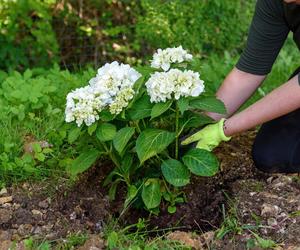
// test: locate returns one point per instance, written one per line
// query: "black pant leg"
(277, 145)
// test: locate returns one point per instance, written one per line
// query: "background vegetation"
(50, 47)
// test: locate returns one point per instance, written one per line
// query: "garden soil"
(261, 204)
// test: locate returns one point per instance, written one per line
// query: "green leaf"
(92, 128)
(27, 74)
(47, 150)
(106, 132)
(171, 209)
(194, 120)
(141, 108)
(175, 173)
(106, 116)
(201, 162)
(151, 194)
(132, 192)
(84, 161)
(73, 135)
(160, 108)
(208, 103)
(122, 137)
(40, 156)
(151, 142)
(36, 147)
(112, 240)
(183, 104)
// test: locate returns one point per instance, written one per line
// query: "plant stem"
(176, 130)
(110, 154)
(137, 126)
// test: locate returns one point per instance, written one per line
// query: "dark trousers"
(276, 148)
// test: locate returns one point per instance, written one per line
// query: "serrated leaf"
(151, 142)
(151, 194)
(84, 161)
(141, 108)
(208, 103)
(73, 135)
(201, 162)
(175, 173)
(106, 132)
(122, 137)
(183, 104)
(194, 120)
(160, 108)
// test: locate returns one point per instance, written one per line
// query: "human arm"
(237, 87)
(279, 102)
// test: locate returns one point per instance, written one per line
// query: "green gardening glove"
(209, 137)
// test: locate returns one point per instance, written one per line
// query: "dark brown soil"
(86, 207)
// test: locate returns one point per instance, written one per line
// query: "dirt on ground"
(262, 203)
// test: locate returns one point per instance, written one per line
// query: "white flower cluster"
(174, 83)
(164, 58)
(111, 88)
(83, 106)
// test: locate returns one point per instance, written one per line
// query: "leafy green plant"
(142, 138)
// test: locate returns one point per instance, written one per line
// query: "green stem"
(176, 130)
(137, 126)
(111, 154)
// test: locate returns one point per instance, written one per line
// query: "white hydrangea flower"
(112, 88)
(121, 101)
(164, 58)
(83, 106)
(113, 77)
(111, 80)
(174, 83)
(186, 83)
(160, 87)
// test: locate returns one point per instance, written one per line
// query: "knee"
(263, 159)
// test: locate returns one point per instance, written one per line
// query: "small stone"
(38, 215)
(269, 210)
(24, 229)
(37, 230)
(47, 228)
(95, 242)
(5, 235)
(5, 215)
(208, 237)
(6, 199)
(3, 191)
(43, 204)
(51, 236)
(16, 206)
(36, 212)
(5, 245)
(272, 222)
(187, 239)
(73, 216)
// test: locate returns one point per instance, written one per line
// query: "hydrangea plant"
(136, 118)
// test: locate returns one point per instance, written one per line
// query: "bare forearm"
(237, 87)
(279, 102)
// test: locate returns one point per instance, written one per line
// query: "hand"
(209, 137)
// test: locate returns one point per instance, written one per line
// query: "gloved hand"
(209, 137)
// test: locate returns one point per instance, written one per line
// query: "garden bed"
(269, 204)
